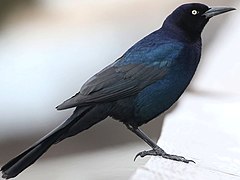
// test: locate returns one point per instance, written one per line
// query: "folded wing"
(113, 83)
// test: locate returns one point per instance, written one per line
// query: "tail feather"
(29, 156)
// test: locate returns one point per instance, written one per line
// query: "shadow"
(9, 7)
(211, 94)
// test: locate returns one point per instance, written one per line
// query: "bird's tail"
(29, 156)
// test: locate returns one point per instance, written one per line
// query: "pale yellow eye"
(194, 12)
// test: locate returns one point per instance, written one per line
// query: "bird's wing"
(113, 83)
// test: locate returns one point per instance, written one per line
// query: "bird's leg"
(156, 150)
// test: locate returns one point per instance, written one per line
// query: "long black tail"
(29, 156)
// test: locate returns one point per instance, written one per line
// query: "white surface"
(199, 129)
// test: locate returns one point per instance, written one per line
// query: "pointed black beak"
(216, 11)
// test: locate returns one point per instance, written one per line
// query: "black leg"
(143, 136)
(156, 150)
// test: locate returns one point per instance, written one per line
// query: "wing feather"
(113, 83)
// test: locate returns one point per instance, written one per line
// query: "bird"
(137, 87)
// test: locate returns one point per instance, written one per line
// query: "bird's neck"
(180, 34)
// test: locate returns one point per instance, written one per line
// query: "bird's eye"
(194, 12)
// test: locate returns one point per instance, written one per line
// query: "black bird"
(143, 83)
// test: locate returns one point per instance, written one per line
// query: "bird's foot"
(160, 152)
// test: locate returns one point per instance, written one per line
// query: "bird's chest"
(158, 97)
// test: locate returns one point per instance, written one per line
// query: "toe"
(177, 158)
(141, 154)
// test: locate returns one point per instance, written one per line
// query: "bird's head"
(191, 18)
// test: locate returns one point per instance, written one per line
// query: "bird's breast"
(158, 97)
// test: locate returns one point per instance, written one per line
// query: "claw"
(4, 176)
(191, 161)
(138, 154)
(161, 152)
(141, 154)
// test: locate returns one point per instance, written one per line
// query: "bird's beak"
(216, 11)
